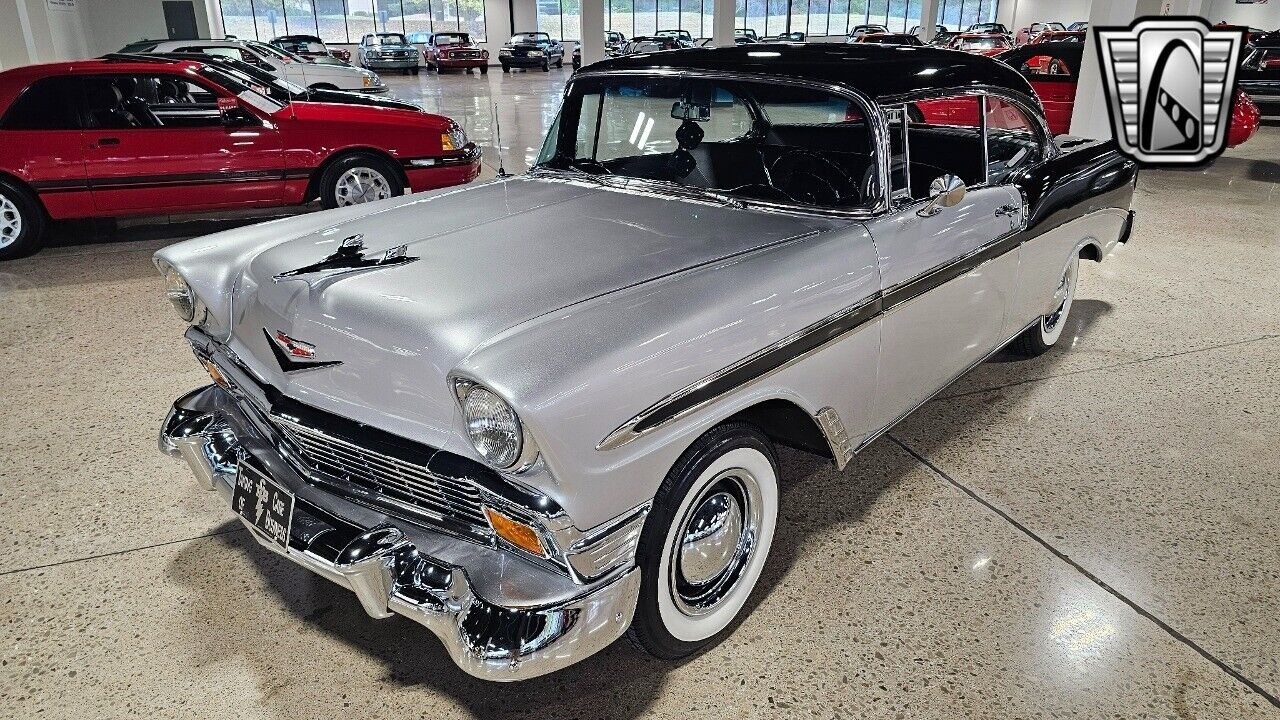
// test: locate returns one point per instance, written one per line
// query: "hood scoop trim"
(348, 258)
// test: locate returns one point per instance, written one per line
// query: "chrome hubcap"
(10, 222)
(1062, 297)
(715, 541)
(361, 185)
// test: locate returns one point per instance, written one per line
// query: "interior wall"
(1017, 14)
(1265, 16)
(116, 23)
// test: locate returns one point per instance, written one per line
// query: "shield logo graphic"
(1169, 84)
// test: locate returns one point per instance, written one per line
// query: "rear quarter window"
(47, 104)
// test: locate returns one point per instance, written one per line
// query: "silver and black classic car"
(1259, 73)
(532, 436)
(530, 50)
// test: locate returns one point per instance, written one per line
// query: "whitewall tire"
(1038, 338)
(706, 541)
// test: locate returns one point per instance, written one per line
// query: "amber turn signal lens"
(446, 142)
(515, 532)
(218, 378)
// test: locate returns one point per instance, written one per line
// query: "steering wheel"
(809, 178)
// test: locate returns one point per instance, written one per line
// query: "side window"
(48, 104)
(1012, 140)
(149, 101)
(944, 137)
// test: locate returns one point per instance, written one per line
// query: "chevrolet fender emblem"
(293, 354)
(348, 258)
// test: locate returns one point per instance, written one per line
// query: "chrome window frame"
(870, 109)
(1040, 126)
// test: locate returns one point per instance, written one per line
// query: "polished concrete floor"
(1095, 533)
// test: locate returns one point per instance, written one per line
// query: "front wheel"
(506, 68)
(560, 64)
(415, 71)
(1037, 339)
(546, 66)
(21, 222)
(484, 69)
(705, 541)
(358, 179)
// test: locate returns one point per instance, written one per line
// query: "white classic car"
(280, 63)
(533, 436)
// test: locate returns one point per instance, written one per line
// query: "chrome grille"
(399, 480)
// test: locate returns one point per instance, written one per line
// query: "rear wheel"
(1037, 339)
(358, 179)
(705, 541)
(22, 222)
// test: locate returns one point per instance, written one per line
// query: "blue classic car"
(388, 51)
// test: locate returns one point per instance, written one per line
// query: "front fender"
(576, 375)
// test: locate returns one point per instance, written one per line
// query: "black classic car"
(1259, 74)
(530, 50)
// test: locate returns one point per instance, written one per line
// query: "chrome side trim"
(756, 366)
(842, 449)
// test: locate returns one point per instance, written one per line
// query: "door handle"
(108, 141)
(1007, 210)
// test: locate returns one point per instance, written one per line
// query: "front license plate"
(264, 504)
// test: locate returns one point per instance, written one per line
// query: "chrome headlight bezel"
(179, 293)
(526, 453)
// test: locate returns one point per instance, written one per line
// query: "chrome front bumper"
(534, 624)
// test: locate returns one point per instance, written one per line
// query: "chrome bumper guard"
(390, 573)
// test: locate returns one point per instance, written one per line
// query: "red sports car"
(445, 50)
(988, 44)
(124, 135)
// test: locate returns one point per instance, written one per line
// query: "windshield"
(385, 39)
(981, 43)
(530, 38)
(772, 142)
(451, 39)
(275, 52)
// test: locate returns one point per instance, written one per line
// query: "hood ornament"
(348, 258)
(294, 354)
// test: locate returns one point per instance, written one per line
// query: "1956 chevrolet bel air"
(540, 413)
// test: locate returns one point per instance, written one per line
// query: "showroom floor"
(1095, 533)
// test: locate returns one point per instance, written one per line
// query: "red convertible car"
(1052, 68)
(447, 50)
(141, 135)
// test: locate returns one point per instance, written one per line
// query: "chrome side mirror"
(944, 192)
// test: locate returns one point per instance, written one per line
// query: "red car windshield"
(452, 39)
(981, 43)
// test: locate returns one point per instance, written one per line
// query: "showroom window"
(563, 18)
(834, 18)
(346, 21)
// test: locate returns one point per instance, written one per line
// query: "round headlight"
(179, 293)
(493, 427)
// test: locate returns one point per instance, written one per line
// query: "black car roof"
(877, 71)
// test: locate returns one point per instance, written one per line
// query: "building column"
(724, 18)
(592, 31)
(1090, 117)
(928, 21)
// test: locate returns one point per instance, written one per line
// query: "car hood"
(394, 115)
(486, 260)
(342, 97)
(385, 46)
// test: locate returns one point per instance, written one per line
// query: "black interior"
(147, 102)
